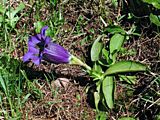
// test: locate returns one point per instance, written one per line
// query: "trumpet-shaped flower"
(40, 47)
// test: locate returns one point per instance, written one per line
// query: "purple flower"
(40, 47)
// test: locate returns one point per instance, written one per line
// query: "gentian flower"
(40, 47)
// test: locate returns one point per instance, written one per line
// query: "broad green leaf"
(108, 90)
(96, 49)
(154, 19)
(115, 29)
(116, 43)
(125, 66)
(126, 118)
(155, 3)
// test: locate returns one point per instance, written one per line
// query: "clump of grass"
(16, 89)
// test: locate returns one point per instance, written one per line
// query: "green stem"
(75, 60)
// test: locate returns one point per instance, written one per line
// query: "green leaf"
(106, 55)
(97, 68)
(96, 49)
(19, 8)
(115, 3)
(11, 13)
(155, 3)
(2, 9)
(154, 19)
(126, 118)
(54, 2)
(125, 66)
(96, 72)
(113, 58)
(108, 90)
(101, 116)
(116, 43)
(115, 29)
(26, 98)
(96, 99)
(13, 21)
(38, 25)
(97, 96)
(106, 61)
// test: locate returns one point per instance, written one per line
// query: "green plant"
(155, 19)
(155, 3)
(9, 15)
(11, 83)
(107, 69)
(55, 20)
(144, 9)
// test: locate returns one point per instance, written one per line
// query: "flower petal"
(55, 58)
(57, 49)
(47, 40)
(27, 56)
(38, 36)
(33, 40)
(43, 30)
(33, 50)
(36, 60)
(56, 54)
